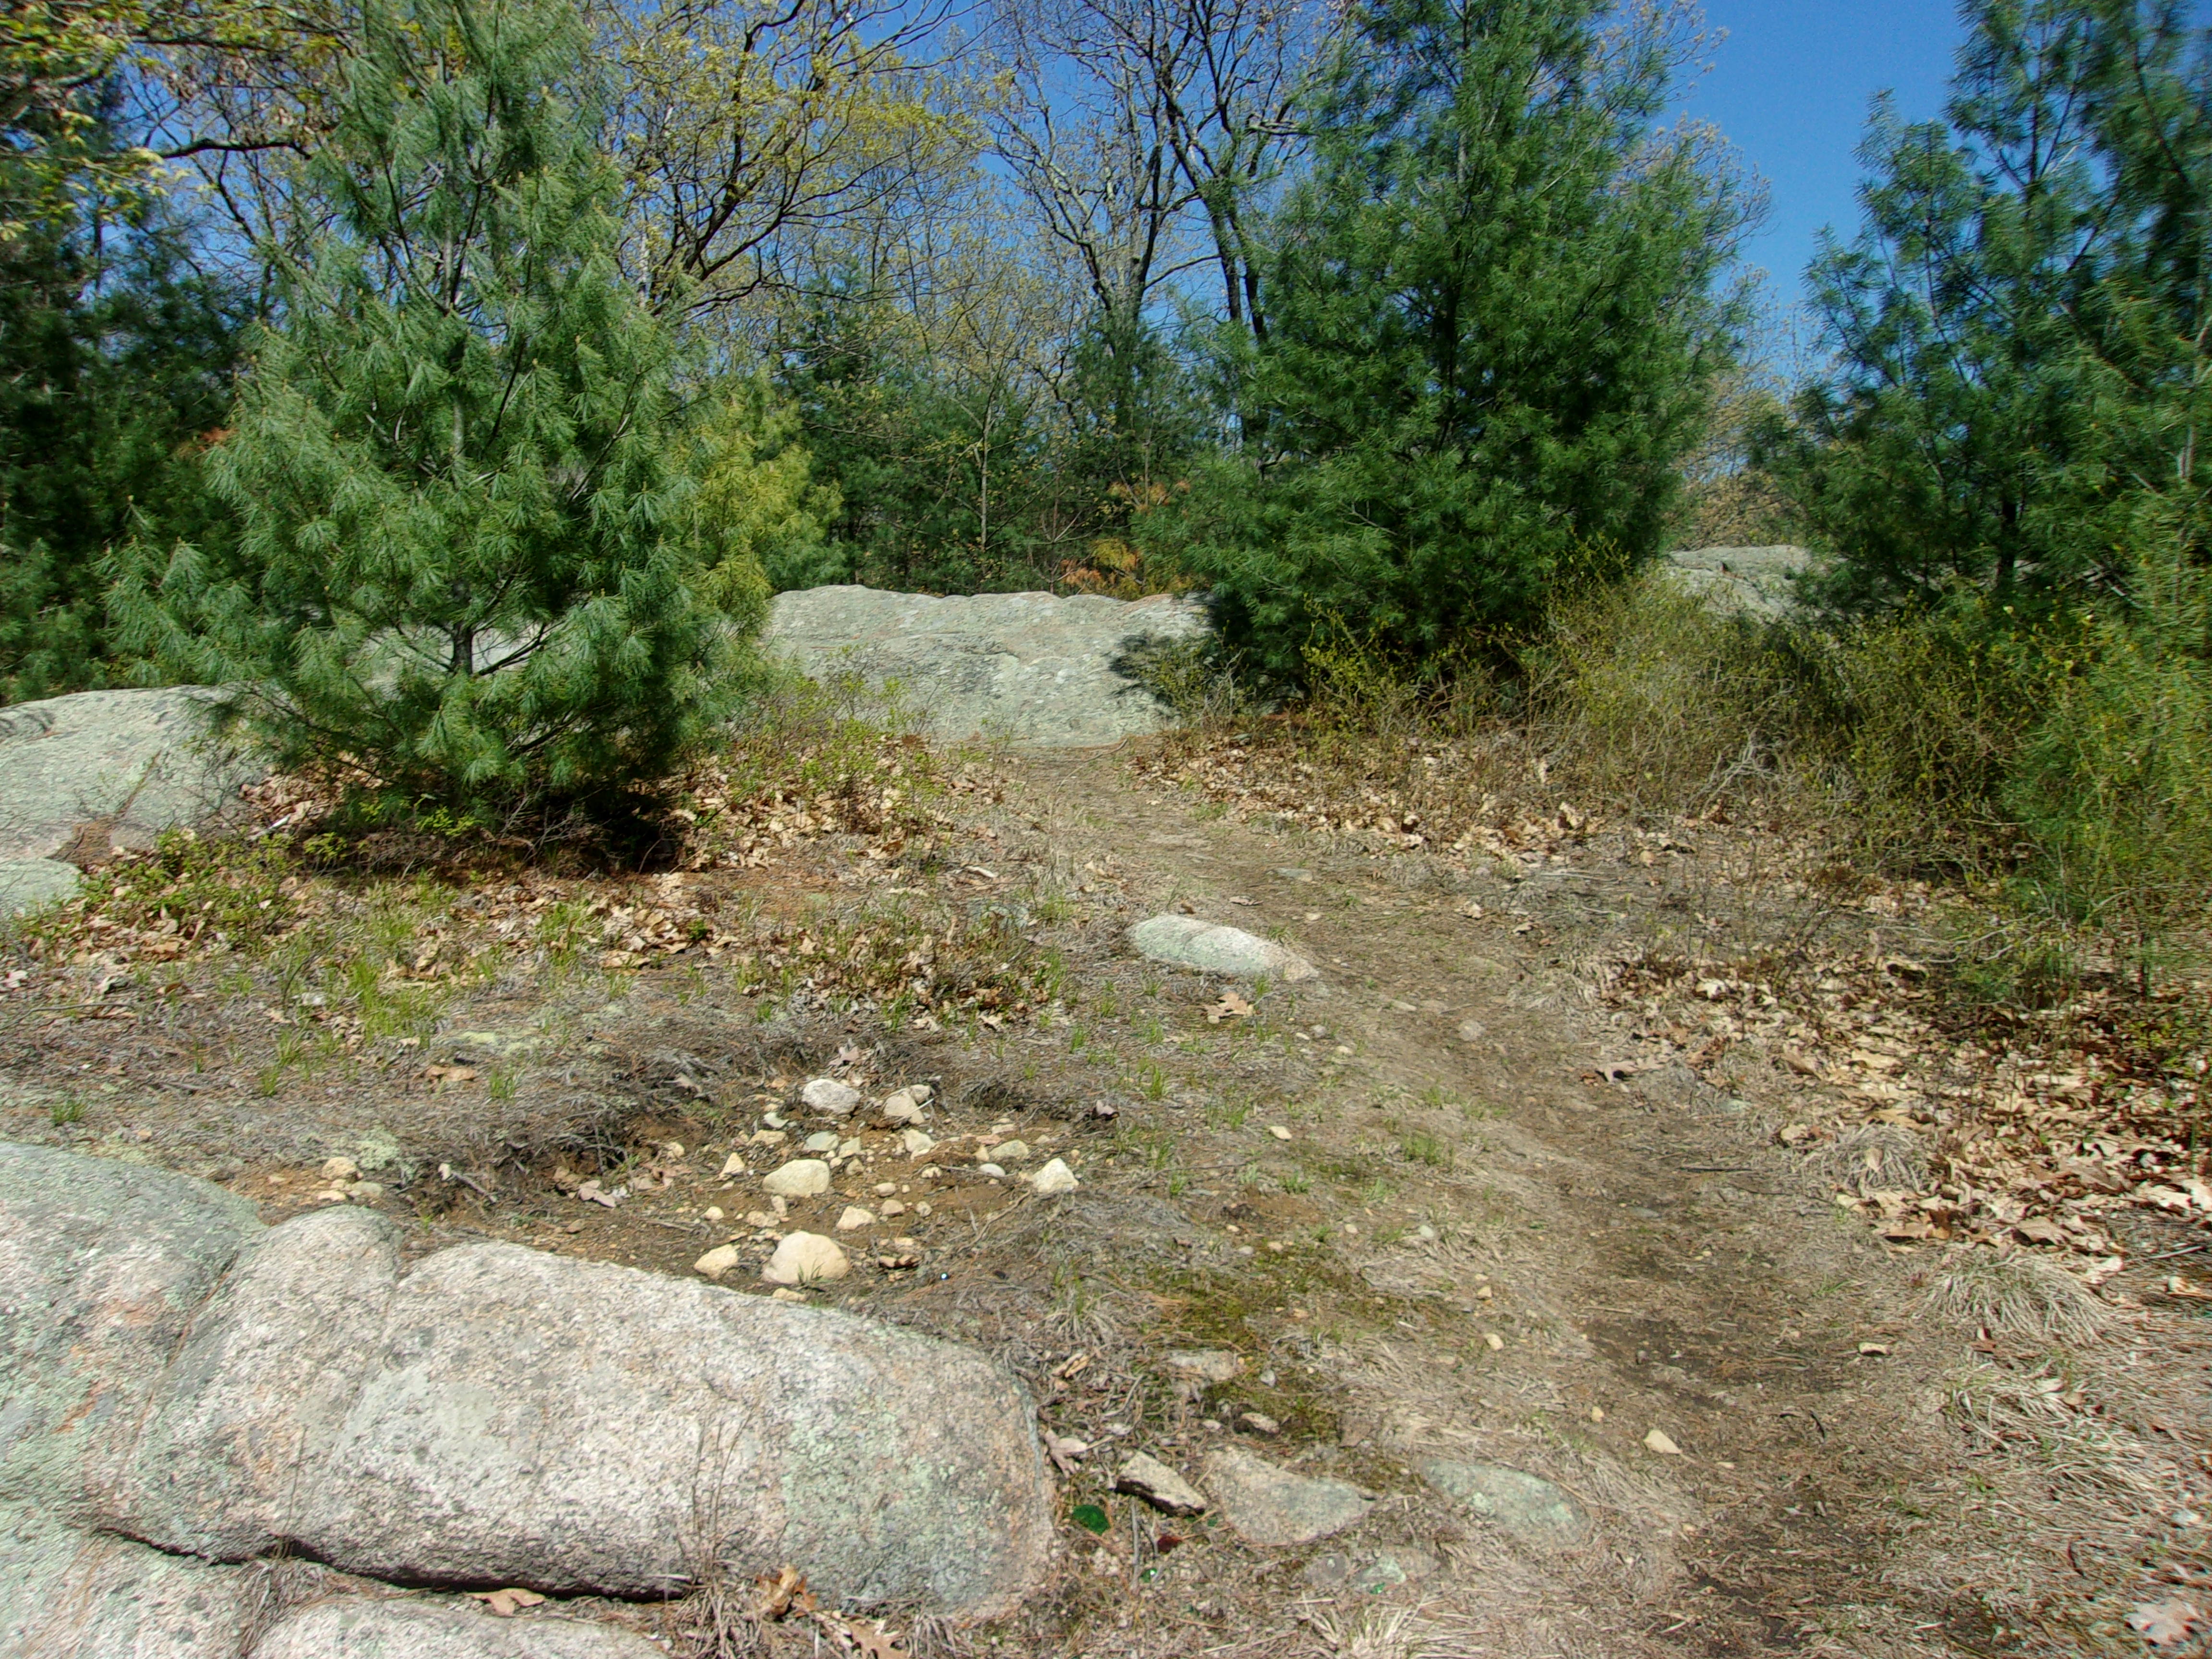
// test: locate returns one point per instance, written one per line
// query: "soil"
(1417, 1198)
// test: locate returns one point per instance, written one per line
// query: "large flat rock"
(102, 1268)
(1036, 669)
(1746, 581)
(173, 1373)
(85, 773)
(70, 1594)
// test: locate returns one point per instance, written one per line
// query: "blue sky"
(1792, 85)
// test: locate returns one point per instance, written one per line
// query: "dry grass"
(1871, 1159)
(2012, 1294)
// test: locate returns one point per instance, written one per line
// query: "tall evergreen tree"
(2018, 328)
(116, 357)
(465, 524)
(1490, 327)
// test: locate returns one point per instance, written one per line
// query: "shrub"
(465, 530)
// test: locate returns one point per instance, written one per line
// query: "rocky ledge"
(186, 1395)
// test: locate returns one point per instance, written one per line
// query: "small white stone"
(917, 1144)
(733, 1165)
(806, 1177)
(712, 1212)
(804, 1258)
(1054, 1177)
(854, 1217)
(1012, 1152)
(849, 1149)
(365, 1192)
(991, 1171)
(824, 1142)
(892, 1208)
(717, 1261)
(828, 1096)
(335, 1169)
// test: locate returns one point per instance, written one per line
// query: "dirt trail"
(1652, 1264)
(1419, 1208)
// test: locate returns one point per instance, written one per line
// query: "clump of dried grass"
(1874, 1157)
(1387, 1634)
(2011, 1293)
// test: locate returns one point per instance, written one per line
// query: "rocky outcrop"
(1036, 669)
(356, 1627)
(172, 1374)
(1749, 581)
(83, 775)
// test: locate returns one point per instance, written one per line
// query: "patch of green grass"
(1297, 1180)
(1153, 1082)
(68, 1110)
(1420, 1147)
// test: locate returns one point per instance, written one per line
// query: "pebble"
(905, 1105)
(885, 1188)
(335, 1169)
(1210, 1364)
(1187, 942)
(1159, 1486)
(365, 1192)
(854, 1217)
(993, 1170)
(733, 1165)
(893, 1207)
(1012, 1152)
(804, 1258)
(1054, 1177)
(806, 1177)
(1259, 1423)
(824, 1142)
(828, 1096)
(917, 1144)
(712, 1212)
(717, 1261)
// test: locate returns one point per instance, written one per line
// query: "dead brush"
(1874, 1157)
(1388, 1633)
(2010, 1293)
(2037, 1415)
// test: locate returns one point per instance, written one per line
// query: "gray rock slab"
(1142, 1475)
(1749, 581)
(358, 1627)
(98, 770)
(1525, 1506)
(1210, 947)
(1036, 669)
(578, 1426)
(1273, 1507)
(70, 1594)
(103, 1267)
(173, 1371)
(259, 1392)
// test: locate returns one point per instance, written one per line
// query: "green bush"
(465, 529)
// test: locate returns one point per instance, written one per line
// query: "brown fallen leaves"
(505, 1603)
(1231, 1006)
(783, 1594)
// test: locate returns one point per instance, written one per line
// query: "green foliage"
(1489, 330)
(2018, 329)
(763, 517)
(465, 529)
(115, 358)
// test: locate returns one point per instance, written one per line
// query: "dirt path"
(1585, 1267)
(1415, 1213)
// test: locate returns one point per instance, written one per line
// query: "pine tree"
(464, 522)
(1490, 329)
